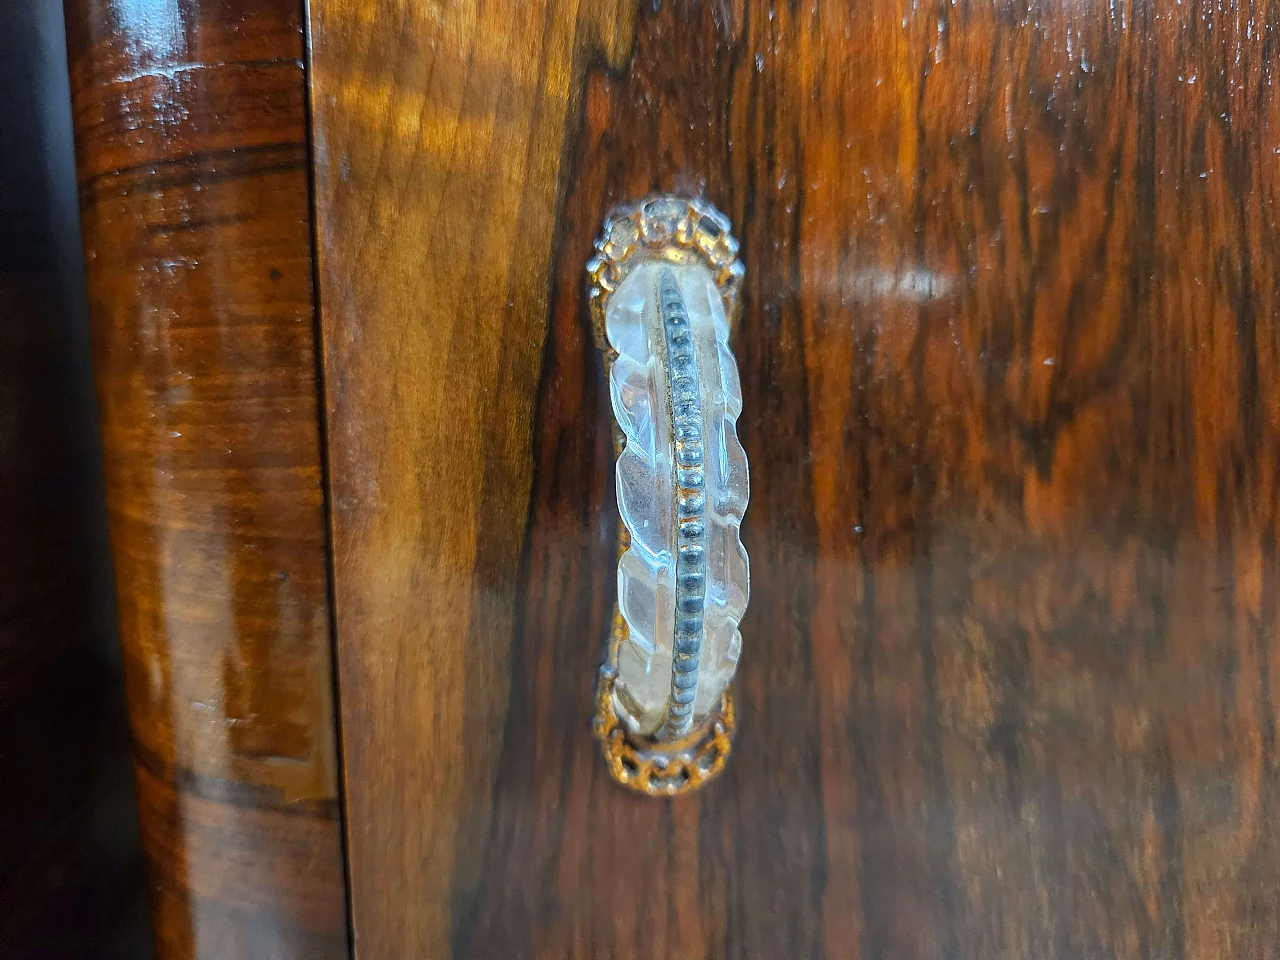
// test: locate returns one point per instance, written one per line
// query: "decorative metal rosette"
(670, 228)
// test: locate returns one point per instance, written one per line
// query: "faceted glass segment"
(646, 483)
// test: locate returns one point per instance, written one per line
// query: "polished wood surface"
(71, 871)
(438, 133)
(1009, 356)
(193, 172)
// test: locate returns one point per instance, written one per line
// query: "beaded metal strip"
(691, 502)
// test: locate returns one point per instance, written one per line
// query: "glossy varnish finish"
(190, 129)
(436, 193)
(1009, 361)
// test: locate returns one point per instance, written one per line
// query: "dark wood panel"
(71, 870)
(191, 135)
(433, 319)
(1008, 357)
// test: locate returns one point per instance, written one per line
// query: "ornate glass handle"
(664, 297)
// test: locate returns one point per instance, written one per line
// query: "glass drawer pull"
(664, 287)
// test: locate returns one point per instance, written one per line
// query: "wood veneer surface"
(1009, 357)
(193, 171)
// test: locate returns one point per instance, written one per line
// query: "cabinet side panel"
(193, 172)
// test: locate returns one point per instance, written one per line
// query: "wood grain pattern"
(71, 870)
(1009, 360)
(190, 126)
(433, 321)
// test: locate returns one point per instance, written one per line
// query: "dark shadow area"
(71, 869)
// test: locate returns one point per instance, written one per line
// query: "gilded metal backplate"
(677, 230)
